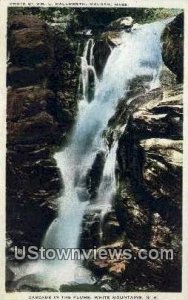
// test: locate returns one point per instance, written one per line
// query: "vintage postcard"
(93, 150)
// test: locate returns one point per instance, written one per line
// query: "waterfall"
(88, 74)
(139, 54)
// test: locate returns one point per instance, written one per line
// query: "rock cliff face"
(149, 201)
(148, 204)
(40, 112)
(173, 38)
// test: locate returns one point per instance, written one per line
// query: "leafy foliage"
(75, 19)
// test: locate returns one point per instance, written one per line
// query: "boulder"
(163, 118)
(121, 23)
(113, 38)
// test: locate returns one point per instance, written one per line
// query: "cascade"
(139, 54)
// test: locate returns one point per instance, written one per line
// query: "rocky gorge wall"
(42, 80)
(148, 204)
